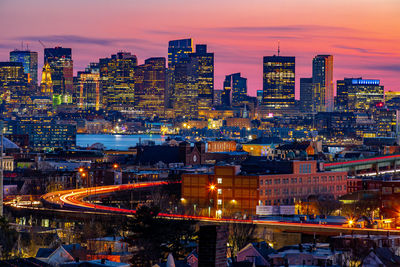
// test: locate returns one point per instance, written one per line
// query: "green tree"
(153, 238)
(8, 238)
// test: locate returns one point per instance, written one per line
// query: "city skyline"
(360, 37)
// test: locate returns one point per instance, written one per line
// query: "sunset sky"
(363, 35)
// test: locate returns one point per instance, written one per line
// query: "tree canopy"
(153, 238)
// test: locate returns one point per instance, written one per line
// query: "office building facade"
(278, 81)
(237, 86)
(61, 65)
(322, 74)
(88, 88)
(150, 83)
(178, 50)
(203, 64)
(13, 82)
(29, 60)
(117, 81)
(185, 96)
(309, 95)
(45, 133)
(358, 95)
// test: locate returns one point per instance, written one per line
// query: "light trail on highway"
(75, 199)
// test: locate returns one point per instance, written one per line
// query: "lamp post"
(211, 189)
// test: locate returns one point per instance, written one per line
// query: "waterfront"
(116, 141)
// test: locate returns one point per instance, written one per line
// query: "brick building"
(221, 146)
(302, 181)
(231, 189)
(222, 191)
(238, 122)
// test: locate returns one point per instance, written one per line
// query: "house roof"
(23, 262)
(263, 248)
(94, 263)
(266, 140)
(386, 256)
(295, 146)
(150, 155)
(178, 263)
(242, 264)
(71, 247)
(44, 252)
(8, 144)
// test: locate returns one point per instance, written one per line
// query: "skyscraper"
(237, 86)
(13, 82)
(117, 81)
(322, 74)
(150, 87)
(278, 81)
(358, 94)
(29, 60)
(61, 65)
(46, 84)
(178, 50)
(88, 87)
(310, 97)
(203, 64)
(185, 96)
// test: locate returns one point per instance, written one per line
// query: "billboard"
(287, 210)
(276, 210)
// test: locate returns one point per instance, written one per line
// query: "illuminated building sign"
(364, 82)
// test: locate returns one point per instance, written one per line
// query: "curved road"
(75, 199)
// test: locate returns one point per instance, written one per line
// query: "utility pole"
(1, 170)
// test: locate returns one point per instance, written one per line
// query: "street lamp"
(212, 187)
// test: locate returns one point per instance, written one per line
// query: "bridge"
(368, 166)
(74, 203)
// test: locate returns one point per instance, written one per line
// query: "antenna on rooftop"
(279, 48)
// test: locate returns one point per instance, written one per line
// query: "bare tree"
(240, 234)
(8, 238)
(360, 209)
(326, 206)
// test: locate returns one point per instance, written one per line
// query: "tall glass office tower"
(278, 81)
(29, 60)
(322, 74)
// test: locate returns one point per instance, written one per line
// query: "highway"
(76, 200)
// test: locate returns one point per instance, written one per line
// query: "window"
(261, 182)
(219, 201)
(219, 180)
(219, 191)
